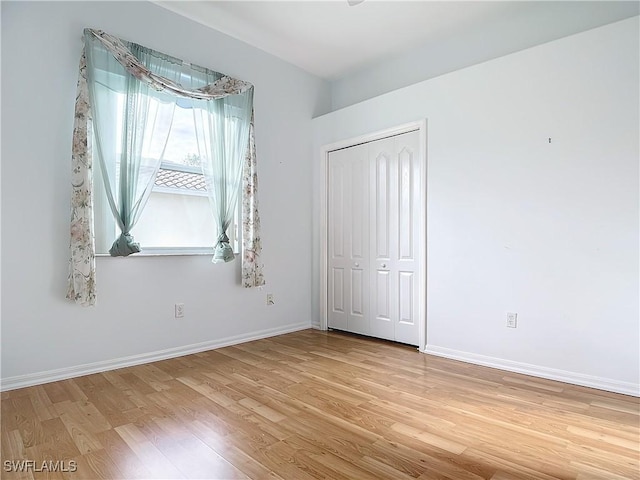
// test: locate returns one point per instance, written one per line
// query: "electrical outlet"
(512, 320)
(179, 310)
(270, 300)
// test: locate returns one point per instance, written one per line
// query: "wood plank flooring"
(311, 405)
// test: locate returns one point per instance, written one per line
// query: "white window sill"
(169, 252)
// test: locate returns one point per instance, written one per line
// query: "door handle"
(384, 265)
(357, 264)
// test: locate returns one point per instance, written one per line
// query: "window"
(177, 218)
(124, 87)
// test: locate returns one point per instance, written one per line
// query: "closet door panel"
(405, 232)
(380, 199)
(358, 320)
(382, 325)
(337, 311)
(348, 240)
(405, 262)
(406, 290)
(383, 196)
(337, 291)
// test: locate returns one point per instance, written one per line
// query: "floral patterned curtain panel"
(251, 245)
(82, 273)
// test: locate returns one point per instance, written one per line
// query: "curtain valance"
(223, 87)
(82, 282)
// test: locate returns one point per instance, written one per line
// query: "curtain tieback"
(124, 245)
(223, 252)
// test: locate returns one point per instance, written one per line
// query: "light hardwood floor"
(318, 405)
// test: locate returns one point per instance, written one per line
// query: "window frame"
(108, 225)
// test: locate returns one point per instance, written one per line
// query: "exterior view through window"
(177, 217)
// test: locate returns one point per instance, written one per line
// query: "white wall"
(41, 331)
(470, 44)
(515, 223)
(186, 222)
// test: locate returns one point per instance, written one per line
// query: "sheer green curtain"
(222, 131)
(132, 122)
(126, 96)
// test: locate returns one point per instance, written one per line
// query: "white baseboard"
(31, 379)
(609, 385)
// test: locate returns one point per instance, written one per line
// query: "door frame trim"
(325, 150)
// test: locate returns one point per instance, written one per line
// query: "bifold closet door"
(395, 264)
(348, 240)
(373, 238)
